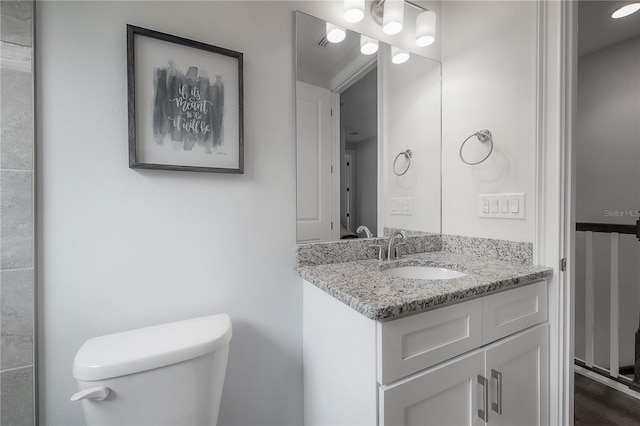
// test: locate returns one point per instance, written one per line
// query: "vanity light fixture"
(393, 17)
(368, 45)
(626, 11)
(335, 34)
(390, 15)
(426, 28)
(399, 56)
(353, 10)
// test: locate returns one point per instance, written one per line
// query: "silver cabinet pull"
(484, 412)
(497, 406)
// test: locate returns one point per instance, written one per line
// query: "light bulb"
(368, 45)
(426, 28)
(399, 56)
(626, 10)
(335, 34)
(353, 10)
(425, 41)
(393, 18)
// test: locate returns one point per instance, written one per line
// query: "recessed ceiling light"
(626, 10)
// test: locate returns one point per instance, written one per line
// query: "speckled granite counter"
(378, 296)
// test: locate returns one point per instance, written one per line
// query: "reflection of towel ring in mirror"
(407, 154)
(483, 136)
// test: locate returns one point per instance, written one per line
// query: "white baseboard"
(606, 381)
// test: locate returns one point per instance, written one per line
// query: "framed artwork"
(185, 104)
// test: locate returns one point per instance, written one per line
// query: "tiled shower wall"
(16, 214)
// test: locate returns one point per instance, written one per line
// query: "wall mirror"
(368, 136)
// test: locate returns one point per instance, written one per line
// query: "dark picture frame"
(185, 104)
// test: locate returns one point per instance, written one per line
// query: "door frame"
(353, 72)
(349, 155)
(555, 194)
(336, 140)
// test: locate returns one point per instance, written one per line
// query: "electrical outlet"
(484, 206)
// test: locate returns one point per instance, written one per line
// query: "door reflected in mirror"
(353, 112)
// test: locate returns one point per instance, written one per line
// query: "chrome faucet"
(366, 231)
(392, 248)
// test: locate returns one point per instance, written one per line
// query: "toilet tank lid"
(134, 351)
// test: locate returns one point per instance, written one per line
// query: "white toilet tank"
(169, 374)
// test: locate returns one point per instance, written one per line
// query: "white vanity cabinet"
(483, 361)
(504, 384)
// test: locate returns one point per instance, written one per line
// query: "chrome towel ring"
(483, 136)
(407, 154)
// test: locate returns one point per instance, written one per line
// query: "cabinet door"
(448, 394)
(518, 370)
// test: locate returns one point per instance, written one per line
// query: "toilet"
(169, 374)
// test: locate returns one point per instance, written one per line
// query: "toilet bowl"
(169, 374)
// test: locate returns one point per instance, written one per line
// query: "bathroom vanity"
(381, 345)
(385, 350)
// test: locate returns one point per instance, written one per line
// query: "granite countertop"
(378, 296)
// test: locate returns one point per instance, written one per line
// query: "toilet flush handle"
(98, 393)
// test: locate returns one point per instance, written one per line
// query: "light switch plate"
(501, 206)
(402, 206)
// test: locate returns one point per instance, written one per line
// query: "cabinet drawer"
(510, 311)
(414, 343)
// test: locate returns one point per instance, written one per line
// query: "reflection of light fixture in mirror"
(335, 34)
(393, 17)
(426, 28)
(399, 56)
(626, 10)
(368, 45)
(353, 10)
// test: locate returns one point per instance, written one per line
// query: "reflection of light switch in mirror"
(402, 205)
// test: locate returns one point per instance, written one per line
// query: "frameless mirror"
(368, 137)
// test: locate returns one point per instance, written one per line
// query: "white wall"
(608, 179)
(489, 82)
(122, 248)
(409, 118)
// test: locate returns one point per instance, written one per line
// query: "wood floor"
(598, 404)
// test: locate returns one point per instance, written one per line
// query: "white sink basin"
(423, 273)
